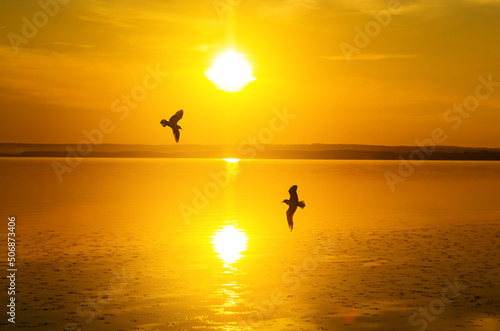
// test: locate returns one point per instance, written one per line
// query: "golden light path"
(232, 168)
(230, 72)
(229, 242)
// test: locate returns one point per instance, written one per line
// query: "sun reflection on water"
(229, 243)
(232, 168)
(231, 160)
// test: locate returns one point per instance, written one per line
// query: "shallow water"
(204, 244)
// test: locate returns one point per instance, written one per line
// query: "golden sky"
(66, 65)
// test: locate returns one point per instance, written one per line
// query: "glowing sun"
(230, 72)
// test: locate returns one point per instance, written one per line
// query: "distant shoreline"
(314, 151)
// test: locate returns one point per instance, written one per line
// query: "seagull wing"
(293, 194)
(177, 134)
(289, 216)
(174, 119)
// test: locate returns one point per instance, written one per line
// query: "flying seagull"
(173, 124)
(293, 203)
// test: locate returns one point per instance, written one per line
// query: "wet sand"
(359, 279)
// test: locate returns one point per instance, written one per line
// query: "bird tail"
(301, 204)
(163, 122)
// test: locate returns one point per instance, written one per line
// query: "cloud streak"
(368, 57)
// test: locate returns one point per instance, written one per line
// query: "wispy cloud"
(61, 43)
(367, 57)
(52, 78)
(288, 8)
(138, 16)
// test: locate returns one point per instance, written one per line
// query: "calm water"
(160, 244)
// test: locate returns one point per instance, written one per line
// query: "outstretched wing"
(177, 134)
(174, 119)
(163, 122)
(293, 194)
(289, 216)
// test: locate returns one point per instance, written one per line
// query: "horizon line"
(294, 144)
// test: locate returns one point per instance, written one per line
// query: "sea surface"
(189, 244)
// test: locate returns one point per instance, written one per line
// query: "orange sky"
(66, 75)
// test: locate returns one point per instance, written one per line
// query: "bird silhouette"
(172, 122)
(293, 203)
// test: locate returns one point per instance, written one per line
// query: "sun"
(230, 72)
